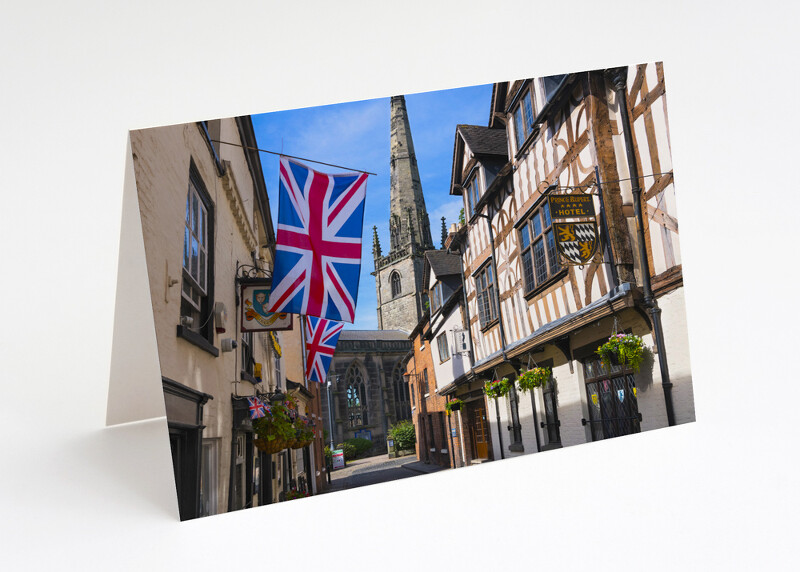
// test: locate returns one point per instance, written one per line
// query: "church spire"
(406, 188)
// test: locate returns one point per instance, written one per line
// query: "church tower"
(398, 275)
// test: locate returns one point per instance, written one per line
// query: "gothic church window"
(356, 397)
(396, 288)
(401, 397)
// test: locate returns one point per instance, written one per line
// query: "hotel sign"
(571, 206)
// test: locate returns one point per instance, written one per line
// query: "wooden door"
(479, 430)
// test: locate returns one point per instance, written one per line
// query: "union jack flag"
(257, 407)
(321, 338)
(318, 243)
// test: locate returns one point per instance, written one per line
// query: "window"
(356, 397)
(612, 400)
(487, 308)
(248, 363)
(198, 233)
(425, 388)
(523, 118)
(550, 84)
(401, 407)
(413, 399)
(444, 349)
(473, 192)
(395, 280)
(436, 297)
(539, 254)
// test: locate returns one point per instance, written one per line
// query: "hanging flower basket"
(622, 349)
(274, 431)
(304, 433)
(453, 405)
(270, 447)
(497, 388)
(535, 377)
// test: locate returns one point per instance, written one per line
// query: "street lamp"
(330, 410)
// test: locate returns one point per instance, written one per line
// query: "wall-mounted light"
(220, 315)
(228, 345)
(187, 321)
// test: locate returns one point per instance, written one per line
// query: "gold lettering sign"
(571, 206)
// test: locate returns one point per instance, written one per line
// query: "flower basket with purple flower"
(497, 388)
(534, 377)
(622, 349)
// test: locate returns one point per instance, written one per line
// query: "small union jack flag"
(257, 407)
(318, 242)
(321, 338)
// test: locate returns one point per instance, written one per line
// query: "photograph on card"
(323, 324)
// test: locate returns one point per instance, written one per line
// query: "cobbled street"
(379, 469)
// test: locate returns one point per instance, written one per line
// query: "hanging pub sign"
(254, 317)
(571, 206)
(576, 241)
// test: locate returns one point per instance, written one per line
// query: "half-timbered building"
(603, 135)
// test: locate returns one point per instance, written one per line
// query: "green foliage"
(348, 449)
(276, 424)
(497, 388)
(453, 405)
(403, 435)
(536, 377)
(461, 221)
(360, 445)
(328, 452)
(625, 348)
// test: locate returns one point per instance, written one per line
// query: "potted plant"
(273, 431)
(497, 388)
(453, 405)
(535, 377)
(622, 349)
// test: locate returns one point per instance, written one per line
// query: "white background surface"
(719, 494)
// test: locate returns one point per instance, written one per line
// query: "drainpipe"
(452, 448)
(618, 78)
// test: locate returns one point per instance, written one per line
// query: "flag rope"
(293, 157)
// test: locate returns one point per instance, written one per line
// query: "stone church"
(367, 391)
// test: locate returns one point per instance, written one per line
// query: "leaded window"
(356, 397)
(523, 118)
(436, 297)
(444, 349)
(474, 192)
(484, 285)
(539, 255)
(401, 397)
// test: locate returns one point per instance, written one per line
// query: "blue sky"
(356, 135)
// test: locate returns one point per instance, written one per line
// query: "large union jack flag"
(321, 338)
(318, 243)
